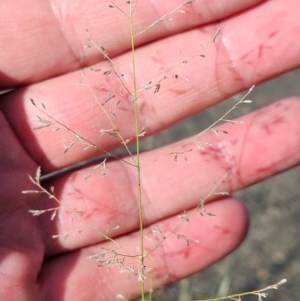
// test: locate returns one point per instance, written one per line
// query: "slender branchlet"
(201, 145)
(260, 294)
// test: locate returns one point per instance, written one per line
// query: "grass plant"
(122, 91)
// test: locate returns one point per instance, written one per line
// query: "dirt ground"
(271, 251)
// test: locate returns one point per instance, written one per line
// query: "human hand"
(36, 267)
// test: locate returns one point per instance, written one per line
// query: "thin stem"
(138, 165)
(116, 131)
(222, 118)
(79, 137)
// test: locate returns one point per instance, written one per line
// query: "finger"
(178, 98)
(78, 278)
(265, 144)
(51, 35)
(21, 241)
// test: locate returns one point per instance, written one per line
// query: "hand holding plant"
(43, 57)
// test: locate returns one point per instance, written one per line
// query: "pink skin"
(43, 56)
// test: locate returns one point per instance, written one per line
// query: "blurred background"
(271, 251)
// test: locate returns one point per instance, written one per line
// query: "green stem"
(138, 166)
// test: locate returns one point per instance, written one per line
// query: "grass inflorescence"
(128, 94)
